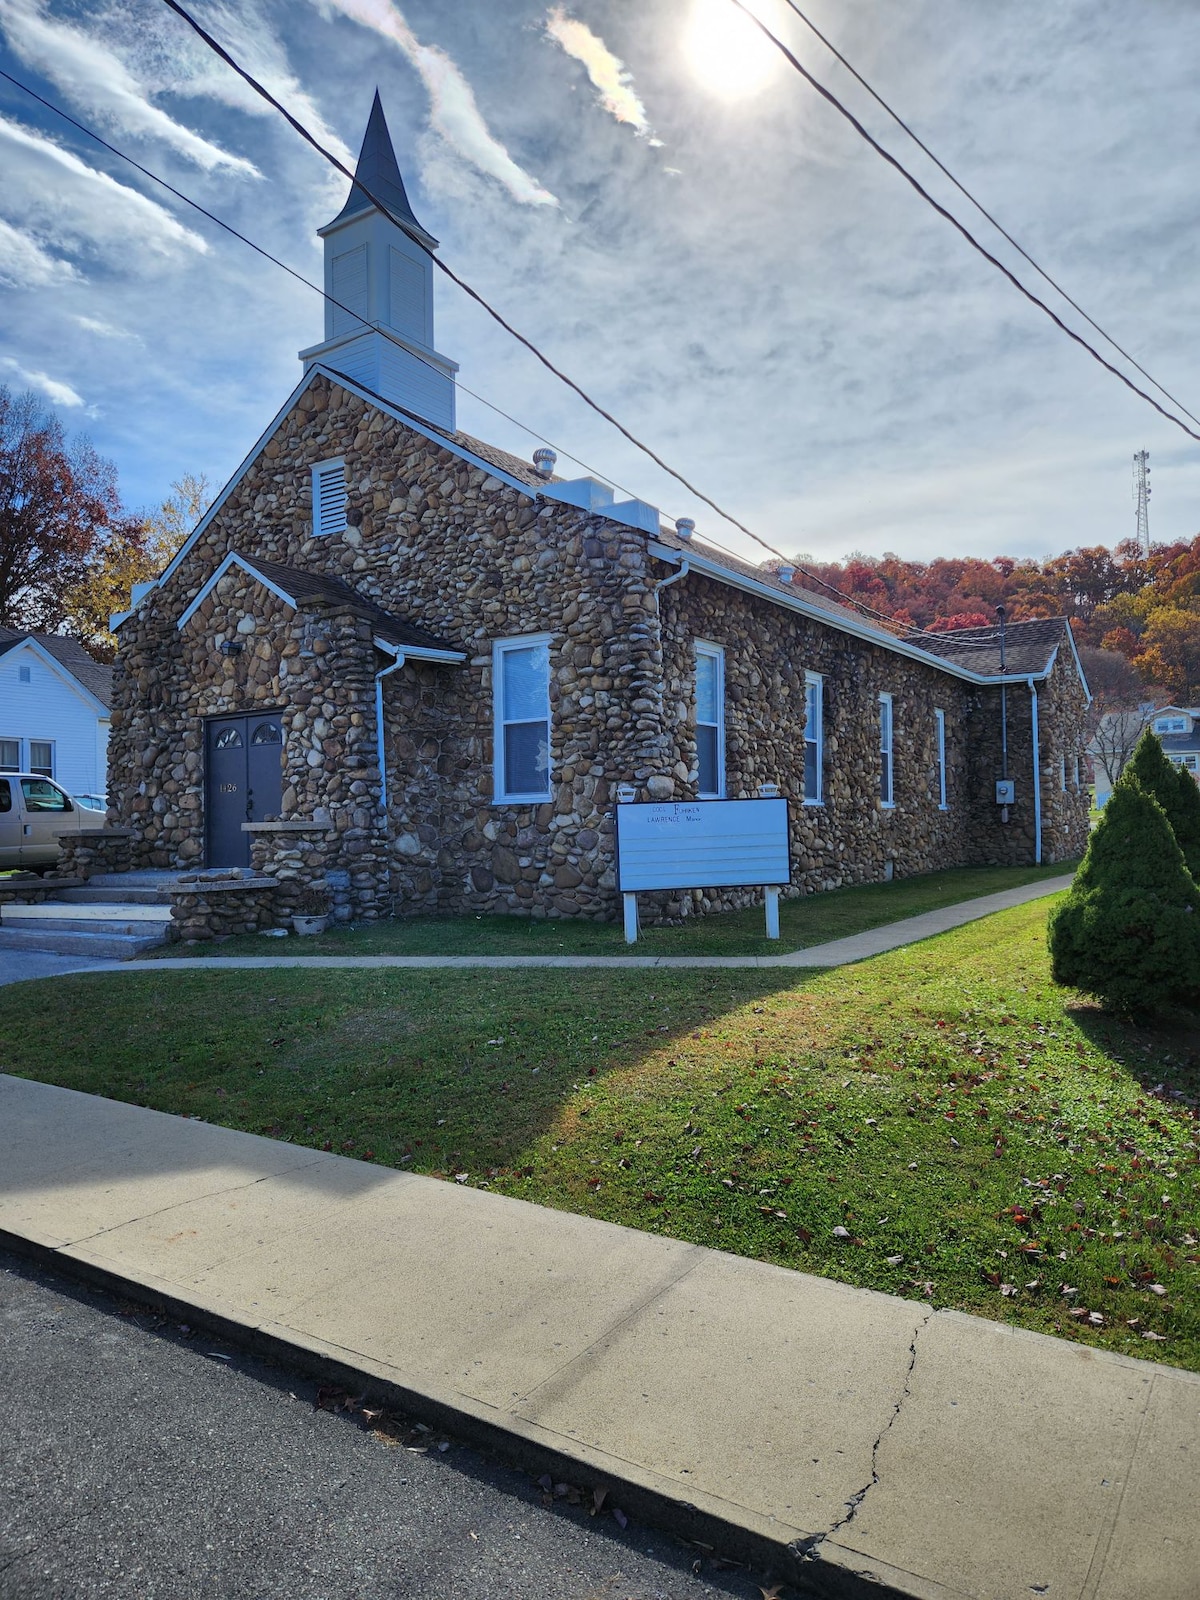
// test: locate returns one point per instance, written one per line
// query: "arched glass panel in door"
(267, 733)
(228, 739)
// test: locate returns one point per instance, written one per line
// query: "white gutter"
(886, 641)
(401, 653)
(665, 583)
(379, 677)
(1037, 775)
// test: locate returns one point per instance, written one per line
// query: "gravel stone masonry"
(449, 547)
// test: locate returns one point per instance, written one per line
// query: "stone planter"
(308, 925)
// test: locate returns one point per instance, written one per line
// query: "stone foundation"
(93, 850)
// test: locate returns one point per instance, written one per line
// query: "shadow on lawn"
(1171, 1041)
(436, 1071)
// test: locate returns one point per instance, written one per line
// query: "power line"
(982, 209)
(275, 261)
(380, 205)
(892, 161)
(850, 600)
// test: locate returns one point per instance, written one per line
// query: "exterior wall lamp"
(231, 647)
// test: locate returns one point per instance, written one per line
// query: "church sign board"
(703, 844)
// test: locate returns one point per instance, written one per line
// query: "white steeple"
(379, 280)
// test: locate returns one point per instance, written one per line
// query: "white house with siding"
(54, 710)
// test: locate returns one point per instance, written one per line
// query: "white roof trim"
(57, 667)
(233, 559)
(708, 568)
(419, 652)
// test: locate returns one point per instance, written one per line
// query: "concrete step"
(102, 944)
(62, 912)
(88, 895)
(149, 878)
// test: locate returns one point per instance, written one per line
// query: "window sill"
(521, 799)
(943, 808)
(818, 804)
(887, 805)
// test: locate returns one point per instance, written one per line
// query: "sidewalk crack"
(810, 1549)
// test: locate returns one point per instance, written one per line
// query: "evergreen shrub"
(1129, 930)
(1158, 777)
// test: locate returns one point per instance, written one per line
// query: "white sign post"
(703, 844)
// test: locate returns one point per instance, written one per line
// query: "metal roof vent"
(685, 527)
(787, 573)
(543, 461)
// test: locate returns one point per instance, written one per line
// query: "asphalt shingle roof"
(1028, 646)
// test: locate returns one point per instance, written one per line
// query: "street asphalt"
(140, 1461)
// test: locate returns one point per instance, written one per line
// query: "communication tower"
(1141, 497)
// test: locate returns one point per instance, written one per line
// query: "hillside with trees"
(1146, 610)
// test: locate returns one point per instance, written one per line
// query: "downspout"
(1037, 775)
(379, 677)
(665, 583)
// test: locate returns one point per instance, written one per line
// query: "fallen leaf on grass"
(1160, 1338)
(1156, 1288)
(894, 1261)
(841, 1233)
(1008, 1289)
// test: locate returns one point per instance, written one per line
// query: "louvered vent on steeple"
(329, 498)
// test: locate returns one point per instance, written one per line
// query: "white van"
(33, 812)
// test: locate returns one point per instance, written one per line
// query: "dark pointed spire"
(379, 171)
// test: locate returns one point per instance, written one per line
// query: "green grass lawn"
(810, 920)
(985, 1140)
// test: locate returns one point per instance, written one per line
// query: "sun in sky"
(726, 52)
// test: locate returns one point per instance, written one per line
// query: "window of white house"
(814, 739)
(10, 755)
(939, 720)
(329, 498)
(885, 750)
(710, 721)
(24, 674)
(1170, 725)
(521, 691)
(41, 757)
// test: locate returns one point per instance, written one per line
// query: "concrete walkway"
(843, 1437)
(837, 953)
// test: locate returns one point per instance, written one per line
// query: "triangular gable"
(233, 559)
(92, 701)
(367, 395)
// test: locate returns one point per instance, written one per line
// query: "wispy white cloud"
(24, 264)
(192, 69)
(61, 394)
(75, 204)
(610, 77)
(453, 111)
(102, 329)
(96, 78)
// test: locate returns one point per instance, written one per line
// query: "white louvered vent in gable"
(329, 498)
(349, 290)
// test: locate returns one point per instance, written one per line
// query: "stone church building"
(399, 663)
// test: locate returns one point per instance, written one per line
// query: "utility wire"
(892, 161)
(982, 209)
(291, 271)
(851, 600)
(309, 138)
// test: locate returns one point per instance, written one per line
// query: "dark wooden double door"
(243, 782)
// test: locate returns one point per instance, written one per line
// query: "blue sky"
(674, 217)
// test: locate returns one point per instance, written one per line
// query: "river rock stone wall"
(452, 548)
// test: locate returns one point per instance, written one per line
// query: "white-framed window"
(10, 755)
(939, 724)
(1062, 773)
(521, 701)
(886, 785)
(1170, 724)
(329, 497)
(41, 757)
(814, 739)
(710, 721)
(1077, 772)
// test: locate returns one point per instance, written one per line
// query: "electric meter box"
(1006, 792)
